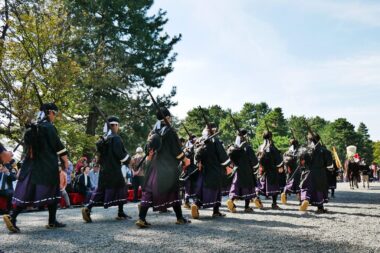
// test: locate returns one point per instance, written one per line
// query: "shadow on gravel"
(351, 207)
(355, 214)
(352, 197)
(209, 235)
(243, 236)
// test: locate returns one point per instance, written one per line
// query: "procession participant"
(245, 164)
(364, 171)
(356, 170)
(111, 190)
(190, 176)
(331, 178)
(316, 159)
(161, 185)
(272, 164)
(293, 172)
(38, 181)
(211, 159)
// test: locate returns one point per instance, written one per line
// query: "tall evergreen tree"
(340, 133)
(376, 152)
(80, 54)
(278, 125)
(123, 50)
(365, 147)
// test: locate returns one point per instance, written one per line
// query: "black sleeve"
(328, 160)
(254, 163)
(54, 141)
(119, 150)
(221, 153)
(174, 144)
(277, 157)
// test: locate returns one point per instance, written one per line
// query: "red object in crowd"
(131, 194)
(76, 198)
(3, 203)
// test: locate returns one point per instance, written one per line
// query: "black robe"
(271, 161)
(353, 170)
(331, 176)
(192, 169)
(166, 160)
(214, 159)
(110, 175)
(43, 164)
(246, 162)
(291, 166)
(319, 159)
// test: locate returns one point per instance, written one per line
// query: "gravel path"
(352, 225)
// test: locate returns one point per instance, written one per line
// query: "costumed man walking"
(315, 159)
(38, 181)
(331, 178)
(293, 172)
(365, 171)
(272, 164)
(211, 160)
(111, 190)
(245, 164)
(161, 185)
(190, 175)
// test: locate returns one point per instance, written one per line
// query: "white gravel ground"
(352, 225)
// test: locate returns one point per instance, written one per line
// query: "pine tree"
(365, 147)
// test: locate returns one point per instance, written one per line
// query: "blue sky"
(308, 57)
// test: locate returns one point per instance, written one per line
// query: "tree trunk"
(92, 121)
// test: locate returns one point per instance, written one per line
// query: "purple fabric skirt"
(29, 194)
(151, 197)
(190, 189)
(237, 192)
(293, 186)
(315, 198)
(206, 197)
(266, 189)
(109, 196)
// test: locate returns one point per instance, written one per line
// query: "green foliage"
(365, 147)
(298, 125)
(84, 55)
(340, 133)
(376, 152)
(276, 123)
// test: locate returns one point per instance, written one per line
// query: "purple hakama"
(206, 197)
(265, 188)
(190, 189)
(315, 198)
(109, 196)
(237, 192)
(30, 194)
(292, 186)
(151, 197)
